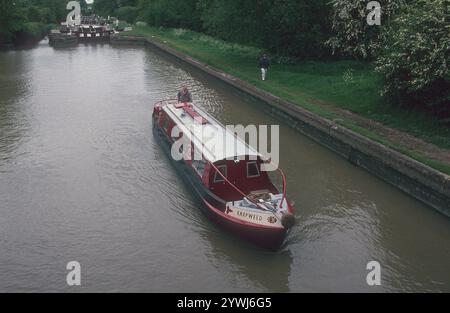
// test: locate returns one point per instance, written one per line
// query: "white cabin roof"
(218, 142)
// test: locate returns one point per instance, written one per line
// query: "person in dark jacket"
(184, 95)
(264, 65)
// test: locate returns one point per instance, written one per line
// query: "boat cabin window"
(252, 169)
(199, 166)
(217, 177)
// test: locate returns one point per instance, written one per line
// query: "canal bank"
(416, 179)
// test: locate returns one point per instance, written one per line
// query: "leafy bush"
(141, 24)
(34, 29)
(415, 57)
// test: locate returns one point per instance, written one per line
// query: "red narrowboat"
(236, 193)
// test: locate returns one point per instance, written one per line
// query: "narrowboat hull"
(264, 236)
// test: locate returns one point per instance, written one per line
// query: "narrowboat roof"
(218, 142)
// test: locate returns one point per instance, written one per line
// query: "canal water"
(81, 179)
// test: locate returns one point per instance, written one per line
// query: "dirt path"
(402, 139)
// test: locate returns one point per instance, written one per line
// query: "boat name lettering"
(252, 216)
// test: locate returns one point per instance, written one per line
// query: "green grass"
(351, 85)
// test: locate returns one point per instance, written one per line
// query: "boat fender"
(287, 220)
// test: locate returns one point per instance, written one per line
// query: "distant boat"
(235, 193)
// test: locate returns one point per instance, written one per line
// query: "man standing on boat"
(184, 95)
(264, 64)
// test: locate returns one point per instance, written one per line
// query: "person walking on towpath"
(264, 65)
(184, 95)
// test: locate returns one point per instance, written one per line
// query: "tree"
(298, 28)
(287, 27)
(415, 57)
(235, 20)
(170, 13)
(28, 18)
(106, 7)
(352, 35)
(127, 13)
(12, 18)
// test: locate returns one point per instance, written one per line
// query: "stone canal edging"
(418, 180)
